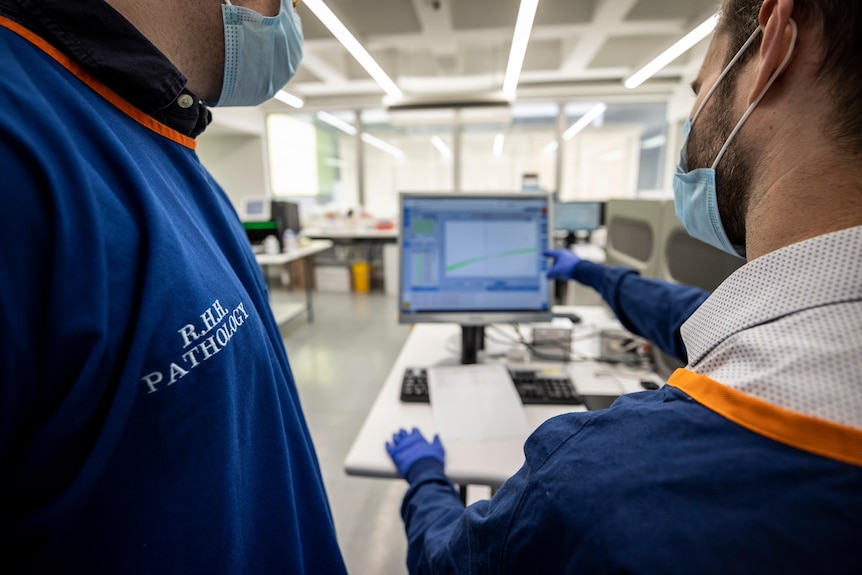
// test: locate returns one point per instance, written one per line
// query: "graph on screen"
(500, 249)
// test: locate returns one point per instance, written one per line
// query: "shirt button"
(185, 101)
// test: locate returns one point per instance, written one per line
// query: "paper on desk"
(476, 402)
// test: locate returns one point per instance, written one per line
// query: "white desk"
(350, 233)
(487, 462)
(285, 312)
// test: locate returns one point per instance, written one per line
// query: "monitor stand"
(472, 340)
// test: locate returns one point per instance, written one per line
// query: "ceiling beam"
(607, 18)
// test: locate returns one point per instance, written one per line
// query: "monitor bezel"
(477, 318)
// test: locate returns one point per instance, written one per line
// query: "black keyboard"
(533, 386)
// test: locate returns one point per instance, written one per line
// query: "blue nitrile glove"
(408, 448)
(564, 264)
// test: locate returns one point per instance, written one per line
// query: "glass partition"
(315, 157)
(313, 161)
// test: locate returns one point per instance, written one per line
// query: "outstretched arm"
(650, 308)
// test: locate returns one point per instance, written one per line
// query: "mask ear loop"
(724, 73)
(772, 79)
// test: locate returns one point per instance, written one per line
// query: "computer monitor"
(286, 214)
(474, 259)
(578, 216)
(254, 209)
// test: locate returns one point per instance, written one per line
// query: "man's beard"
(733, 172)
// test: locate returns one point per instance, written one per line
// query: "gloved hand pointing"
(408, 448)
(564, 264)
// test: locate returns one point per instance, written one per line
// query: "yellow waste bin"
(361, 277)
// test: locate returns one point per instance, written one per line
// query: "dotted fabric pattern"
(787, 328)
(232, 40)
(234, 17)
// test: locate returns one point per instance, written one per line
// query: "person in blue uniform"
(149, 419)
(749, 459)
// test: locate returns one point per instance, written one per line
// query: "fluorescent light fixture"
(441, 147)
(289, 99)
(523, 28)
(551, 148)
(336, 123)
(343, 35)
(534, 110)
(498, 144)
(584, 121)
(381, 145)
(366, 137)
(672, 53)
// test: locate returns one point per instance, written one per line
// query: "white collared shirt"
(787, 328)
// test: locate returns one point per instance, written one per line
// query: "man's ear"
(777, 36)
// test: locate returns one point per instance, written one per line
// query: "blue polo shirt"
(149, 420)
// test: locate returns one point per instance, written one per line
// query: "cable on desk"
(615, 377)
(566, 356)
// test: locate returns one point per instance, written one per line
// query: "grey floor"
(340, 361)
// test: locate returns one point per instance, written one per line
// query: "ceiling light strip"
(523, 29)
(381, 145)
(331, 21)
(498, 144)
(672, 53)
(584, 121)
(289, 99)
(441, 147)
(336, 122)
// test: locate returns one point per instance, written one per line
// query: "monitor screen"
(474, 259)
(286, 214)
(254, 209)
(578, 216)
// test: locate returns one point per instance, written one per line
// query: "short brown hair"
(839, 23)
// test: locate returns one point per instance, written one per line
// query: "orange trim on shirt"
(137, 115)
(804, 432)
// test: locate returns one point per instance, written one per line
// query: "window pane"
(617, 155)
(509, 155)
(403, 155)
(313, 162)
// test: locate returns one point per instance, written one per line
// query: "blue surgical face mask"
(695, 196)
(261, 53)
